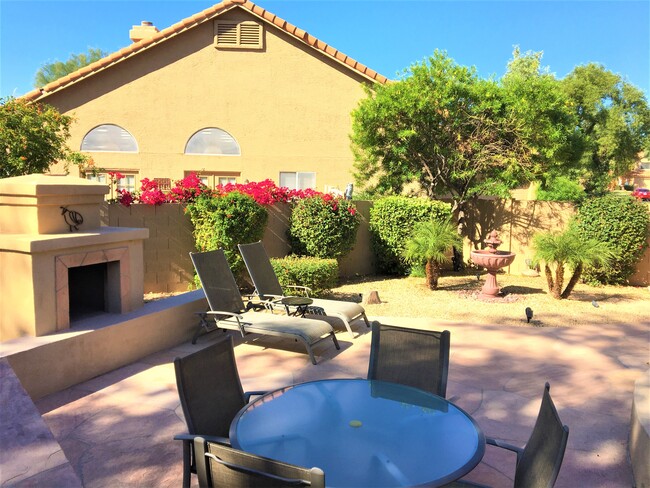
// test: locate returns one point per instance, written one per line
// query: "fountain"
(492, 260)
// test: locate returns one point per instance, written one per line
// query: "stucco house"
(233, 93)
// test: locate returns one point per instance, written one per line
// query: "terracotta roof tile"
(190, 22)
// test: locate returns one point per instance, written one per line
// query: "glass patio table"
(362, 433)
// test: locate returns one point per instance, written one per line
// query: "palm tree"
(431, 242)
(568, 249)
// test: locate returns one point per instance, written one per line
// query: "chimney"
(143, 31)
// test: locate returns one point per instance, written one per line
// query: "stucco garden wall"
(168, 268)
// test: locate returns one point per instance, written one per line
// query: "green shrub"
(222, 222)
(622, 222)
(323, 227)
(321, 275)
(561, 189)
(391, 224)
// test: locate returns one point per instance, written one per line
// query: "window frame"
(198, 133)
(124, 131)
(297, 179)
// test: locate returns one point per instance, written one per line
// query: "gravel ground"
(457, 299)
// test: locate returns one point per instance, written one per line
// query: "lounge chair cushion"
(310, 330)
(349, 310)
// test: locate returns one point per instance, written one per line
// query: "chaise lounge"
(227, 310)
(269, 289)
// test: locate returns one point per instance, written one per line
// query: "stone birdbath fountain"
(492, 260)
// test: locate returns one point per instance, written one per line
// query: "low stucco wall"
(168, 268)
(640, 432)
(52, 363)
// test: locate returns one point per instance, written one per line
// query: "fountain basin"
(492, 259)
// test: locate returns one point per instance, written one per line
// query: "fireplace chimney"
(143, 31)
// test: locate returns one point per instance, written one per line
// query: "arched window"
(212, 141)
(109, 138)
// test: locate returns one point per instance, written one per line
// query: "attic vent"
(243, 35)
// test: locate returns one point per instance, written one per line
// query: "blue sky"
(388, 36)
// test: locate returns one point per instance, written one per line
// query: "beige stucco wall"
(168, 267)
(288, 106)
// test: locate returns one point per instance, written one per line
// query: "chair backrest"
(542, 458)
(217, 280)
(209, 388)
(413, 357)
(260, 269)
(223, 466)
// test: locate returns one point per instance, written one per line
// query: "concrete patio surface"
(116, 430)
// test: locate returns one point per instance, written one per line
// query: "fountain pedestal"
(492, 260)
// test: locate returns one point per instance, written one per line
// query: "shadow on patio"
(117, 429)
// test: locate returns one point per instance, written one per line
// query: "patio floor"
(117, 429)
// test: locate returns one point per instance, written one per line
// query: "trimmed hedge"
(321, 275)
(623, 223)
(391, 223)
(323, 226)
(225, 221)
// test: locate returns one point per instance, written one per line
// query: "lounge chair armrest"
(305, 289)
(504, 445)
(236, 315)
(211, 438)
(249, 394)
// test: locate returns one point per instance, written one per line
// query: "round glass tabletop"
(362, 433)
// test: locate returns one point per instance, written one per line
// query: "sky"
(386, 35)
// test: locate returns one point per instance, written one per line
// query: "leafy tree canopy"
(50, 72)
(540, 106)
(614, 120)
(442, 127)
(32, 137)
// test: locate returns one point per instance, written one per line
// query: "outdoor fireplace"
(58, 263)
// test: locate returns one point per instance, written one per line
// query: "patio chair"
(412, 357)
(220, 465)
(211, 394)
(227, 311)
(539, 462)
(268, 288)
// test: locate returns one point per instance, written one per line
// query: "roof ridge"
(196, 19)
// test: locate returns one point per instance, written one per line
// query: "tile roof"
(196, 19)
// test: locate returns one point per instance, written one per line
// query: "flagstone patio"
(117, 429)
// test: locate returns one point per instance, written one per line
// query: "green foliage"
(222, 222)
(321, 275)
(391, 223)
(535, 98)
(443, 127)
(50, 72)
(568, 249)
(32, 137)
(613, 121)
(622, 222)
(430, 243)
(561, 189)
(323, 227)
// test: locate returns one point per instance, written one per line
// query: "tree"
(431, 243)
(614, 120)
(537, 101)
(32, 137)
(442, 127)
(50, 72)
(568, 249)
